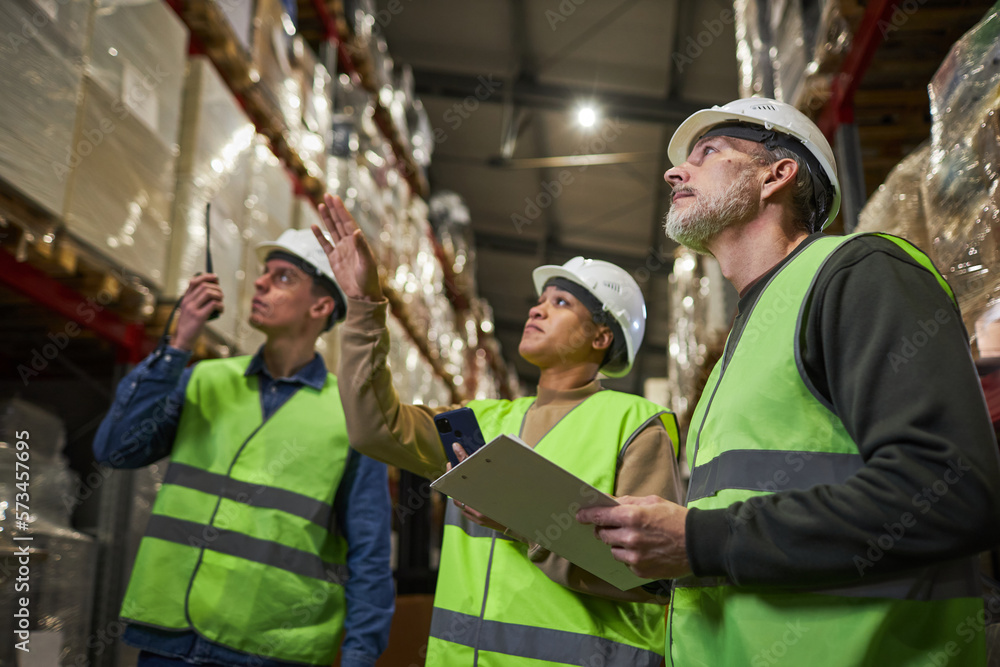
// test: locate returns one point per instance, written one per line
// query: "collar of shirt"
(312, 374)
(753, 290)
(546, 396)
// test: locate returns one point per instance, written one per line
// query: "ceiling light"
(587, 116)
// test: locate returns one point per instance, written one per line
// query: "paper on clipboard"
(512, 484)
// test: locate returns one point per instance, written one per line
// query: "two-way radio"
(165, 338)
(208, 253)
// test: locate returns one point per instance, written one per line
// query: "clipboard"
(512, 484)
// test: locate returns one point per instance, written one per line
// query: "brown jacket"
(405, 435)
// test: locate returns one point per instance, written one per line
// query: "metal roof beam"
(529, 94)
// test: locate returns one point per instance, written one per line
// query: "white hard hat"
(303, 244)
(771, 115)
(615, 289)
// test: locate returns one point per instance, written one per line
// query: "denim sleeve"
(142, 422)
(364, 512)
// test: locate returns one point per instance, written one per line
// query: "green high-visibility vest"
(242, 545)
(758, 429)
(493, 606)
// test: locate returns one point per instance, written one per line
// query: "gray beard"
(701, 222)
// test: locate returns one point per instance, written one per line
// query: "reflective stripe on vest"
(495, 602)
(779, 436)
(753, 470)
(525, 641)
(310, 509)
(241, 546)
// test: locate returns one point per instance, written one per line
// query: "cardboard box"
(41, 73)
(271, 202)
(138, 54)
(216, 148)
(121, 186)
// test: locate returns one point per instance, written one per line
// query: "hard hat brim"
(262, 250)
(547, 272)
(702, 121)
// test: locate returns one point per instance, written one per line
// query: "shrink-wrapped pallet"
(702, 305)
(272, 53)
(270, 205)
(60, 561)
(897, 207)
(138, 53)
(216, 148)
(239, 16)
(121, 189)
(41, 59)
(960, 187)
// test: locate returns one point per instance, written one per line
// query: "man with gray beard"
(843, 464)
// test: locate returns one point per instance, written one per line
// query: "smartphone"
(459, 426)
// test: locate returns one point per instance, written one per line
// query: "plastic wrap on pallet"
(960, 189)
(65, 21)
(793, 52)
(328, 347)
(48, 434)
(349, 99)
(421, 133)
(834, 36)
(305, 214)
(702, 303)
(311, 135)
(62, 560)
(317, 89)
(897, 207)
(239, 16)
(834, 33)
(413, 376)
(360, 16)
(451, 220)
(53, 487)
(217, 143)
(62, 565)
(270, 206)
(138, 53)
(121, 189)
(789, 49)
(753, 46)
(272, 57)
(41, 73)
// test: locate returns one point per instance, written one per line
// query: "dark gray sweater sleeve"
(885, 347)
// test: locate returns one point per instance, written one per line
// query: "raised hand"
(351, 258)
(203, 295)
